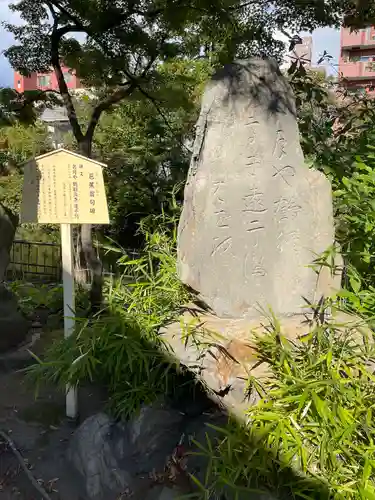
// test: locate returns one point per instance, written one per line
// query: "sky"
(323, 39)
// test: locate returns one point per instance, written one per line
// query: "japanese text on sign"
(62, 187)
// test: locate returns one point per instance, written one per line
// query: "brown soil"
(40, 431)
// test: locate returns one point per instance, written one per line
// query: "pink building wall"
(357, 57)
(45, 81)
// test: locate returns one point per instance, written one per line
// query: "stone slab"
(254, 216)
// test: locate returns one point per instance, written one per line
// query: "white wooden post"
(69, 306)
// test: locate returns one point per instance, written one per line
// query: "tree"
(147, 153)
(22, 107)
(18, 143)
(125, 41)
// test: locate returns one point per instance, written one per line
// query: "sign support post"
(62, 187)
(69, 306)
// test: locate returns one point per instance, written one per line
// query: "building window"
(367, 58)
(18, 84)
(68, 77)
(358, 58)
(44, 81)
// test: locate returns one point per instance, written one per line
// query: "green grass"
(312, 434)
(120, 347)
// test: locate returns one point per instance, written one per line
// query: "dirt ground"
(40, 431)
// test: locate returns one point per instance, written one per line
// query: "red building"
(357, 58)
(45, 81)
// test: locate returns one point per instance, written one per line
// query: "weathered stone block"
(95, 451)
(13, 326)
(8, 225)
(254, 216)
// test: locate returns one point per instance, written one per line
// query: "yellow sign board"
(62, 187)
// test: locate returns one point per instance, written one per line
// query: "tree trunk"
(81, 273)
(92, 260)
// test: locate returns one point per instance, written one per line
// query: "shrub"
(355, 217)
(120, 347)
(312, 434)
(31, 296)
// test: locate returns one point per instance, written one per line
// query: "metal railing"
(35, 261)
(41, 262)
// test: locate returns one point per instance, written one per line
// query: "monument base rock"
(222, 352)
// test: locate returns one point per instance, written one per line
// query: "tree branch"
(105, 104)
(57, 34)
(133, 81)
(246, 4)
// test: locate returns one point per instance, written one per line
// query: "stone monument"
(255, 216)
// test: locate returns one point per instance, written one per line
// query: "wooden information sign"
(65, 188)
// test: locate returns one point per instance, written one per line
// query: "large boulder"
(150, 457)
(95, 452)
(8, 226)
(13, 325)
(135, 458)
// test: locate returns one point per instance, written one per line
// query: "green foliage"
(355, 209)
(19, 143)
(121, 346)
(312, 433)
(11, 191)
(42, 296)
(337, 131)
(120, 34)
(146, 146)
(335, 126)
(31, 297)
(23, 107)
(22, 142)
(125, 42)
(15, 107)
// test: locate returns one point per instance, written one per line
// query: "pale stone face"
(254, 216)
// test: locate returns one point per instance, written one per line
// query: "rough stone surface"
(95, 452)
(222, 354)
(13, 326)
(8, 225)
(113, 458)
(153, 434)
(254, 216)
(162, 493)
(104, 453)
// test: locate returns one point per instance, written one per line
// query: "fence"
(42, 262)
(35, 261)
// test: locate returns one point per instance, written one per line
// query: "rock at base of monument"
(93, 452)
(222, 353)
(13, 326)
(108, 455)
(131, 458)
